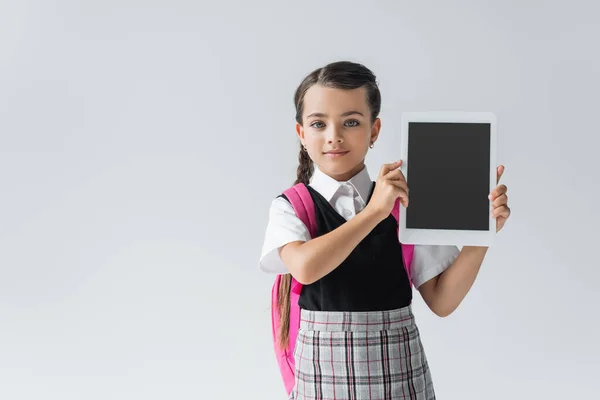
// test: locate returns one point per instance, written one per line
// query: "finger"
(385, 168)
(501, 212)
(501, 200)
(402, 191)
(391, 167)
(395, 175)
(399, 184)
(498, 191)
(499, 172)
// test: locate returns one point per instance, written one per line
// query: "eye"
(317, 124)
(352, 123)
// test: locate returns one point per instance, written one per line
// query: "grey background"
(142, 142)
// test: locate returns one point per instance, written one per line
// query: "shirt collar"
(328, 187)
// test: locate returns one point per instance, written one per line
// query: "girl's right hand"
(390, 185)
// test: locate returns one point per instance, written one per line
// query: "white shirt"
(348, 198)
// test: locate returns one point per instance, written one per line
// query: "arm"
(444, 293)
(310, 261)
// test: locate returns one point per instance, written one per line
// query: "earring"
(372, 145)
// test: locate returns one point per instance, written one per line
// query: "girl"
(358, 338)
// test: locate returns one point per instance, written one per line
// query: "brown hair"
(338, 75)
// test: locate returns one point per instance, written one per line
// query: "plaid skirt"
(360, 355)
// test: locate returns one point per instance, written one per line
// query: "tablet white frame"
(448, 237)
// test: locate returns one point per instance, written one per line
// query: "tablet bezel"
(447, 236)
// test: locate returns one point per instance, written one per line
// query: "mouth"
(335, 153)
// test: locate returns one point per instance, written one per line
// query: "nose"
(335, 135)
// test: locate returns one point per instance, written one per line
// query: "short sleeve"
(283, 227)
(431, 260)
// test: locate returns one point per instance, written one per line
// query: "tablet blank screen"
(448, 176)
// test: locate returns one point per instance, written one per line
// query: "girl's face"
(337, 130)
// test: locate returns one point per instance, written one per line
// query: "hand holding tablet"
(449, 162)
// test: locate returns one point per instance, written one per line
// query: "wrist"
(372, 212)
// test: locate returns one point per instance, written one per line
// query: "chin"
(337, 169)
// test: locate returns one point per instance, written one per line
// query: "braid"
(283, 303)
(305, 167)
(304, 173)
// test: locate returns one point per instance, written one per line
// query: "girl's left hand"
(500, 209)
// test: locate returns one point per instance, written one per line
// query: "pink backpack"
(303, 205)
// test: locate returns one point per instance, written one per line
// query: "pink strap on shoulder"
(300, 198)
(407, 250)
(303, 205)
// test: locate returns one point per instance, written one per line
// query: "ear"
(375, 128)
(300, 132)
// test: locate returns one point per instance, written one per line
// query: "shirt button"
(347, 213)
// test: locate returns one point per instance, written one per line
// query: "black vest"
(372, 278)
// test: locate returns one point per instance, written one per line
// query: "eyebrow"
(347, 113)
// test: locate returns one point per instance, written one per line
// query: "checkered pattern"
(360, 355)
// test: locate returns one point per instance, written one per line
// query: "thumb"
(499, 172)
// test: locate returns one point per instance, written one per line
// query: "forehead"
(334, 102)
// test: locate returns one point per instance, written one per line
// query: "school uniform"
(358, 338)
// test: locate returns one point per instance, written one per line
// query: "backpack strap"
(300, 198)
(407, 250)
(304, 207)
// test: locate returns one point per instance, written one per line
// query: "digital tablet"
(449, 161)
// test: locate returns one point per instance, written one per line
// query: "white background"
(141, 143)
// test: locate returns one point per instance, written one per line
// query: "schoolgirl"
(358, 338)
